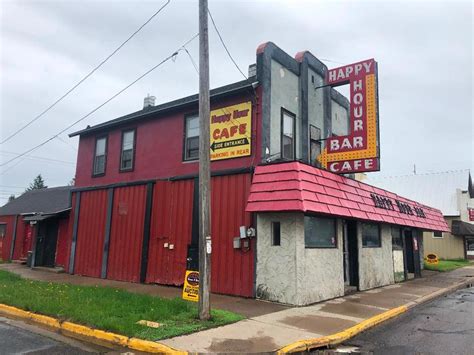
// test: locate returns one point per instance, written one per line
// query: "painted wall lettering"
(387, 204)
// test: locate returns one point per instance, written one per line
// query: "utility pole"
(204, 166)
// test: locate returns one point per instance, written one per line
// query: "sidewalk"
(270, 327)
(273, 331)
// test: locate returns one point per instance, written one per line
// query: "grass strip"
(108, 308)
(447, 265)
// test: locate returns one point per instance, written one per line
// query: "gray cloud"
(424, 50)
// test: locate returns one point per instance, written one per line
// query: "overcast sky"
(424, 51)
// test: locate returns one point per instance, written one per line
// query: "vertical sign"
(471, 214)
(231, 131)
(359, 150)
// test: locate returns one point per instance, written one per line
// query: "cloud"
(424, 53)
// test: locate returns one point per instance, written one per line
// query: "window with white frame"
(287, 135)
(191, 139)
(128, 150)
(100, 156)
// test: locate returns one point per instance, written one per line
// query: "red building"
(134, 207)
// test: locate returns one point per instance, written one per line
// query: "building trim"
(169, 107)
(108, 224)
(12, 246)
(74, 233)
(235, 171)
(146, 232)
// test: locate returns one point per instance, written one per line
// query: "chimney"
(252, 70)
(149, 101)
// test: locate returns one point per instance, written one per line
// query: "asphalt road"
(443, 326)
(21, 338)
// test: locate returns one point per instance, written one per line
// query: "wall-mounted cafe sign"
(403, 207)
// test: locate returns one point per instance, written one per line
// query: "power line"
(87, 76)
(224, 45)
(38, 158)
(174, 54)
(192, 60)
(67, 143)
(4, 171)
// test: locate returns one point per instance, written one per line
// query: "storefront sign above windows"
(403, 207)
(359, 150)
(231, 131)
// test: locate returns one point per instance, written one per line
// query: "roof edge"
(225, 90)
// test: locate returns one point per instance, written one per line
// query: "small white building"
(321, 235)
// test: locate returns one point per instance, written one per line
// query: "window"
(3, 230)
(287, 135)
(128, 150)
(437, 234)
(191, 140)
(276, 233)
(371, 235)
(397, 243)
(314, 144)
(320, 232)
(100, 156)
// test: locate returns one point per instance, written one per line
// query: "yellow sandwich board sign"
(191, 286)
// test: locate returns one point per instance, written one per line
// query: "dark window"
(396, 239)
(371, 235)
(100, 156)
(469, 244)
(3, 230)
(314, 144)
(191, 140)
(276, 233)
(437, 234)
(287, 135)
(127, 151)
(320, 232)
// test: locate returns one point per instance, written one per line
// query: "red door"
(170, 231)
(126, 233)
(27, 240)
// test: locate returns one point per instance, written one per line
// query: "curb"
(337, 338)
(86, 333)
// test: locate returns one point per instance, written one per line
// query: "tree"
(72, 182)
(38, 183)
(11, 198)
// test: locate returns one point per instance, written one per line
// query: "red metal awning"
(295, 186)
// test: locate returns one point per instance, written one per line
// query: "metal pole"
(204, 166)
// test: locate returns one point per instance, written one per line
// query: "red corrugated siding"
(21, 227)
(90, 233)
(171, 223)
(64, 243)
(5, 242)
(232, 270)
(126, 233)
